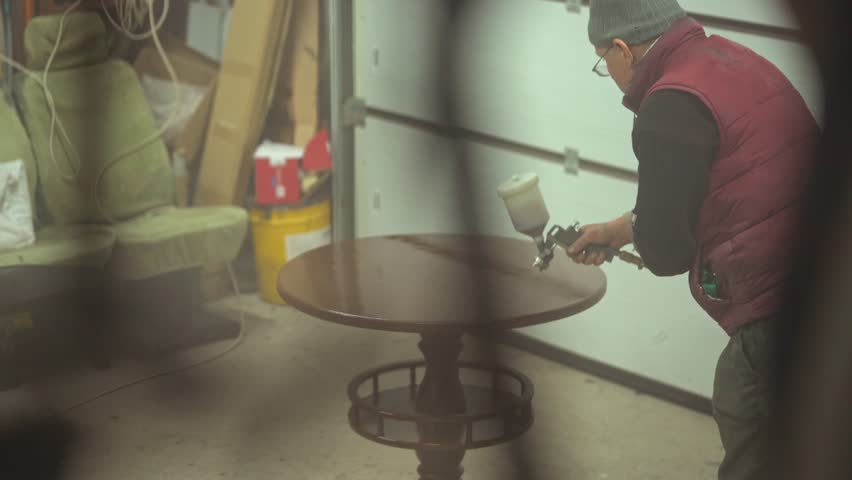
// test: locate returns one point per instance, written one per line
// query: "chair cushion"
(172, 239)
(105, 113)
(72, 245)
(16, 146)
(85, 41)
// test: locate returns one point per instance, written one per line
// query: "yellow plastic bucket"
(282, 234)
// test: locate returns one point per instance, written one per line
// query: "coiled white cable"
(132, 14)
(53, 118)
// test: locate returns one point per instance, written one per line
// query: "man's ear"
(624, 50)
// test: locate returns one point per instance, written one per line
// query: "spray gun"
(529, 216)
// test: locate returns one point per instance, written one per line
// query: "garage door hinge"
(575, 6)
(572, 161)
(354, 112)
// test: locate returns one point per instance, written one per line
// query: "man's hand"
(615, 234)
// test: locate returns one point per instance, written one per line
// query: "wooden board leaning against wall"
(267, 88)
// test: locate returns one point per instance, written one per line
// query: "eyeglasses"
(600, 67)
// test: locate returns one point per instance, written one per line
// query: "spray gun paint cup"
(525, 204)
(528, 212)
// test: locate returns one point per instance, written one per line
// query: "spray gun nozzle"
(545, 253)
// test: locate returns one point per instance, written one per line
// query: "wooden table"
(440, 287)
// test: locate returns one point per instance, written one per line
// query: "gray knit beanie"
(634, 21)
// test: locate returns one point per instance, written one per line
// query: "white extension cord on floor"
(170, 371)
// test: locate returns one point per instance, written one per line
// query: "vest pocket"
(713, 301)
(718, 272)
(708, 287)
(709, 283)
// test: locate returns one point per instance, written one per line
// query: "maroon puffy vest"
(768, 138)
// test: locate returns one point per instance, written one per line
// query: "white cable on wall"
(132, 15)
(130, 12)
(46, 88)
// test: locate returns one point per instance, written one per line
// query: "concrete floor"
(275, 408)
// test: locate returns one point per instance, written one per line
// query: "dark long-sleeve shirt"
(676, 141)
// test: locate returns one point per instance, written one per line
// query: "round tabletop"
(434, 284)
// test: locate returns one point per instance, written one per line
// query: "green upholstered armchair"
(103, 198)
(93, 179)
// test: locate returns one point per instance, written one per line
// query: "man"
(725, 148)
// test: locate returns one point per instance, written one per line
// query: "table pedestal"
(441, 417)
(441, 393)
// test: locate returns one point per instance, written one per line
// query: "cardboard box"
(250, 65)
(192, 69)
(285, 132)
(297, 94)
(279, 132)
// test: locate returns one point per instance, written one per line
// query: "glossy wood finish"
(430, 284)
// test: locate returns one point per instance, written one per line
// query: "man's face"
(619, 61)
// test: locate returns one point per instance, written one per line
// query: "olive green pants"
(742, 403)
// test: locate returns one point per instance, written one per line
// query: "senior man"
(725, 147)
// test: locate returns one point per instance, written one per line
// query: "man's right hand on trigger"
(611, 234)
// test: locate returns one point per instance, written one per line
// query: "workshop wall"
(524, 76)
